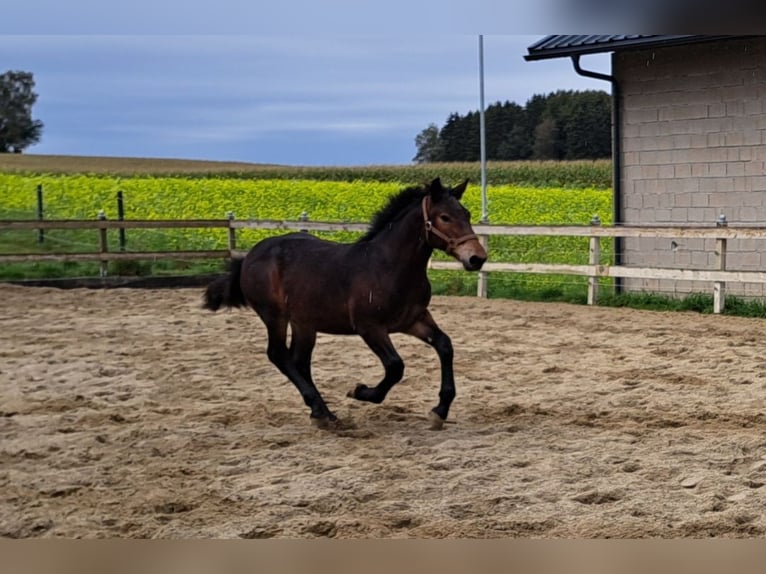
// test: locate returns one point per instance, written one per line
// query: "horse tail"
(226, 291)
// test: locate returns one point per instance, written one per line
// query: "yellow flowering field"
(83, 196)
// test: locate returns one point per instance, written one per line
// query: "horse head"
(448, 225)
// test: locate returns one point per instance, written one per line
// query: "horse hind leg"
(297, 371)
(302, 343)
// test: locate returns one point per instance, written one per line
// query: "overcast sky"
(299, 98)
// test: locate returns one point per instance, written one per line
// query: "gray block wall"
(694, 147)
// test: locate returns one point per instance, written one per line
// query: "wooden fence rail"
(593, 270)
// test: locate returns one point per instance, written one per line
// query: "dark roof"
(563, 46)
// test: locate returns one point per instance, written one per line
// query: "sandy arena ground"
(135, 413)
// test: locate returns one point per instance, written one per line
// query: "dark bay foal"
(371, 288)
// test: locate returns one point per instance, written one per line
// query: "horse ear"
(435, 188)
(459, 190)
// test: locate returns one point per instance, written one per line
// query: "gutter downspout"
(616, 157)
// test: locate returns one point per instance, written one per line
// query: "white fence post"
(481, 284)
(102, 246)
(719, 287)
(594, 257)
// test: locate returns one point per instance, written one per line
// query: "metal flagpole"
(481, 285)
(482, 135)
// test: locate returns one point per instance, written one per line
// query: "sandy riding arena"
(135, 413)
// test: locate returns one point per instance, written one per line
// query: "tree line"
(562, 125)
(18, 130)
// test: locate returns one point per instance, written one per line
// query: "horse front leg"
(426, 329)
(381, 345)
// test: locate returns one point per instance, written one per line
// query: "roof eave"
(637, 44)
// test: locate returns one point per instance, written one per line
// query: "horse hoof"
(435, 421)
(354, 393)
(322, 423)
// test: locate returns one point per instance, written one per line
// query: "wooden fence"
(719, 276)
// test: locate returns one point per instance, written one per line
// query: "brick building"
(689, 141)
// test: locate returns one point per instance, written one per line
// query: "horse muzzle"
(471, 254)
(474, 263)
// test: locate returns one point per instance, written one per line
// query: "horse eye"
(444, 218)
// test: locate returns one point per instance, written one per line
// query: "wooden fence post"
(719, 287)
(121, 217)
(102, 245)
(40, 213)
(594, 258)
(232, 234)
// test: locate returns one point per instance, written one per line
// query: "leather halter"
(452, 242)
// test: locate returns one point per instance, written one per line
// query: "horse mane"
(397, 204)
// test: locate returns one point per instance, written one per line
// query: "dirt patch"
(134, 413)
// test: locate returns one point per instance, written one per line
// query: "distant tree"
(583, 123)
(535, 108)
(551, 130)
(588, 126)
(546, 144)
(429, 146)
(17, 96)
(471, 141)
(453, 136)
(565, 124)
(516, 145)
(500, 121)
